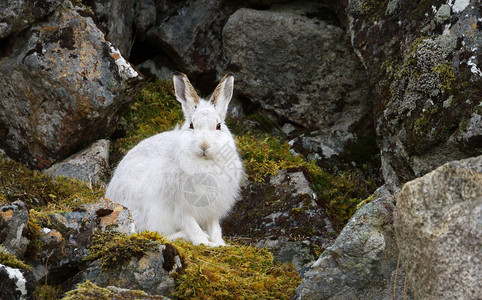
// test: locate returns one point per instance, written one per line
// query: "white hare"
(182, 182)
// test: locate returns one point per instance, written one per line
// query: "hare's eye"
(191, 126)
(218, 127)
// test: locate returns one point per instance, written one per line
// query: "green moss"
(90, 291)
(116, 249)
(10, 260)
(264, 155)
(32, 233)
(446, 74)
(155, 110)
(233, 272)
(47, 292)
(42, 192)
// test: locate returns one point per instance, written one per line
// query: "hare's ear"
(185, 93)
(223, 94)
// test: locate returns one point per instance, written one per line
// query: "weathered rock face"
(61, 87)
(151, 273)
(438, 230)
(13, 219)
(302, 69)
(362, 263)
(424, 61)
(283, 215)
(15, 16)
(116, 19)
(191, 36)
(90, 165)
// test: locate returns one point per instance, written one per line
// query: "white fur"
(153, 179)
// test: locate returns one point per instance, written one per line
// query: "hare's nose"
(204, 146)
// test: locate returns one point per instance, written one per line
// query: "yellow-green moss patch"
(446, 74)
(115, 249)
(47, 292)
(40, 191)
(10, 260)
(233, 272)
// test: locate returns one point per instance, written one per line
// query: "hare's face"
(209, 133)
(209, 136)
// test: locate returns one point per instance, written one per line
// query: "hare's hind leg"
(214, 231)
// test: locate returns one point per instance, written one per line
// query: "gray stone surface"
(191, 36)
(150, 273)
(90, 165)
(116, 19)
(302, 69)
(299, 253)
(362, 263)
(438, 225)
(13, 220)
(61, 87)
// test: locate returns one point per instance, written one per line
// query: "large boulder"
(362, 263)
(302, 69)
(438, 228)
(424, 62)
(62, 86)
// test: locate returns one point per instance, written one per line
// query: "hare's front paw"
(204, 242)
(218, 242)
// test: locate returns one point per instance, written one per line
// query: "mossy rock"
(10, 260)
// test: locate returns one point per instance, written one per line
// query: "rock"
(60, 79)
(157, 70)
(423, 62)
(13, 220)
(16, 283)
(443, 13)
(90, 165)
(63, 243)
(299, 253)
(116, 19)
(15, 16)
(438, 230)
(191, 36)
(302, 69)
(327, 143)
(281, 214)
(151, 273)
(362, 263)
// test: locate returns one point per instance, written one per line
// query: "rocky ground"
(358, 123)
